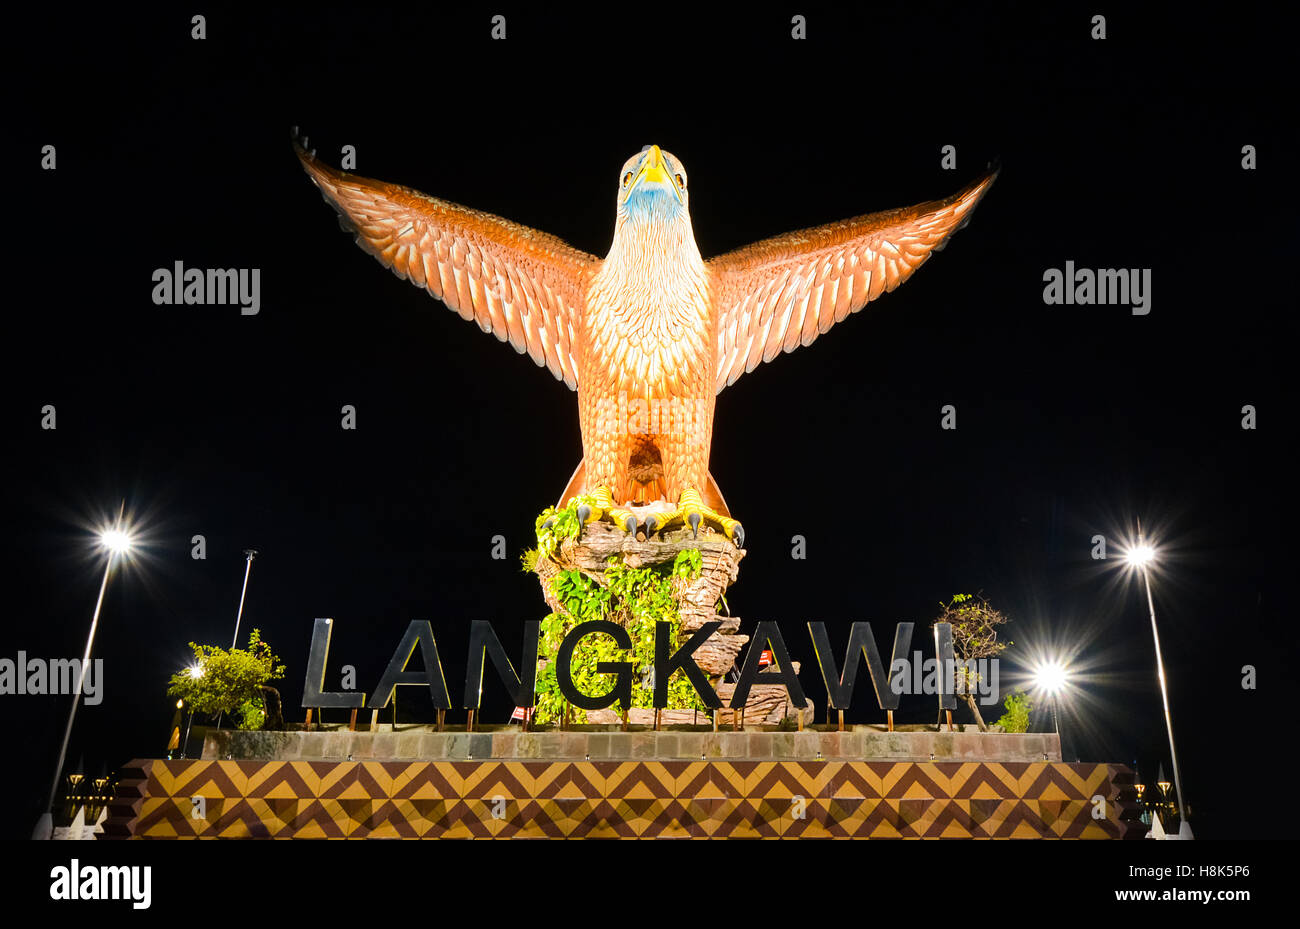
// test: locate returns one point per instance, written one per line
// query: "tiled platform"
(648, 798)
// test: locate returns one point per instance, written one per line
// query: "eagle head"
(652, 187)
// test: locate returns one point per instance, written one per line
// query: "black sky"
(1072, 420)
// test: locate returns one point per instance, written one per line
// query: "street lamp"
(1141, 557)
(1140, 787)
(174, 730)
(1162, 781)
(196, 672)
(249, 553)
(1050, 679)
(117, 542)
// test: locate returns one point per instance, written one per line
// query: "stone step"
(421, 744)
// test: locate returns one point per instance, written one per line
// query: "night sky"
(1072, 420)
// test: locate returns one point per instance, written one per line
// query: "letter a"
(1055, 289)
(782, 671)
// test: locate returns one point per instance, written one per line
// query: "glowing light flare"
(196, 671)
(1140, 555)
(116, 540)
(1050, 677)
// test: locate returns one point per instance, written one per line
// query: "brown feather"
(457, 254)
(785, 291)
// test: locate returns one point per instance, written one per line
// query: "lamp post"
(117, 541)
(196, 672)
(174, 730)
(249, 553)
(1141, 556)
(1050, 678)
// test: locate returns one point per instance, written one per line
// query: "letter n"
(484, 644)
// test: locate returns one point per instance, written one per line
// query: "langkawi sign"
(934, 675)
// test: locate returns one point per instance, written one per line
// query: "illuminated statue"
(649, 335)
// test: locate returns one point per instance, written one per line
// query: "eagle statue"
(650, 334)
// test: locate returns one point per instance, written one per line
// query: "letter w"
(839, 688)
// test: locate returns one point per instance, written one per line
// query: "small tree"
(974, 636)
(1016, 718)
(233, 681)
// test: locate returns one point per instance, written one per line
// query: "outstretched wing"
(523, 286)
(783, 292)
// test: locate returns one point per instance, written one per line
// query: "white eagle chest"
(648, 326)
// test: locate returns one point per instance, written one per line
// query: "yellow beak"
(655, 170)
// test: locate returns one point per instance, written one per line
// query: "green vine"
(564, 526)
(635, 598)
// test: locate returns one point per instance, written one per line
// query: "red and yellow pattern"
(623, 799)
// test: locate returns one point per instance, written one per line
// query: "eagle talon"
(602, 508)
(692, 511)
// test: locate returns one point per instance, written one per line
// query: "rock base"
(697, 602)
